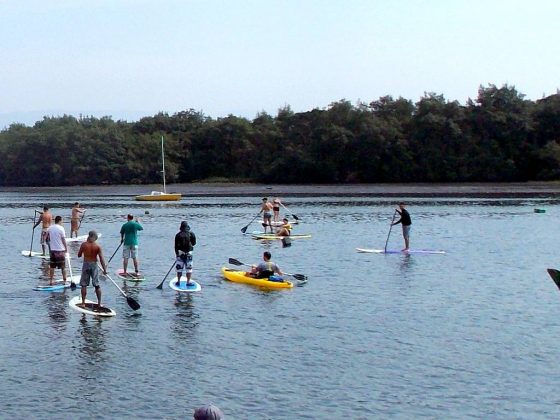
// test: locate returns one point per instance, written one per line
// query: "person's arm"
(139, 226)
(278, 270)
(122, 235)
(81, 250)
(38, 221)
(400, 220)
(64, 242)
(193, 239)
(177, 245)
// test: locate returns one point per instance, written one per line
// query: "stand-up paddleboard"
(130, 276)
(192, 287)
(555, 275)
(81, 238)
(35, 254)
(272, 236)
(58, 285)
(397, 251)
(91, 308)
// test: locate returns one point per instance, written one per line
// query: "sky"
(133, 58)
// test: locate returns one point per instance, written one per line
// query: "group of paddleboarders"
(266, 207)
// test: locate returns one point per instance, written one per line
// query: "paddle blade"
(132, 303)
(301, 277)
(72, 286)
(295, 217)
(244, 229)
(555, 275)
(235, 262)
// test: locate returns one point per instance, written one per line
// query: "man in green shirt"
(129, 239)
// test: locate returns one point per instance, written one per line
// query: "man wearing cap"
(56, 239)
(266, 208)
(91, 251)
(129, 239)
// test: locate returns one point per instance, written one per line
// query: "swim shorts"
(130, 251)
(184, 263)
(406, 231)
(90, 270)
(58, 259)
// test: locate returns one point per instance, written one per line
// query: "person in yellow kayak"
(285, 229)
(265, 269)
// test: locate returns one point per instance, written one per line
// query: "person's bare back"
(90, 251)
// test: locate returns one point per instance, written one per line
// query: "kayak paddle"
(160, 286)
(131, 302)
(244, 229)
(300, 277)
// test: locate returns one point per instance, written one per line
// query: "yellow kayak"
(240, 277)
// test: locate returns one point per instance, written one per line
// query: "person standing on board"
(266, 207)
(45, 218)
(184, 242)
(276, 208)
(265, 269)
(406, 223)
(56, 239)
(129, 239)
(75, 220)
(91, 252)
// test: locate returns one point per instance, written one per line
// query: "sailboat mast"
(163, 165)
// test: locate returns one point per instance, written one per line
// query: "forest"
(498, 137)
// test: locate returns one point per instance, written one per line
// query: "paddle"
(32, 232)
(114, 253)
(72, 284)
(244, 229)
(286, 208)
(131, 302)
(160, 286)
(81, 218)
(391, 227)
(299, 277)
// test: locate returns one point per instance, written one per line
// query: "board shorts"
(57, 259)
(183, 263)
(267, 215)
(406, 231)
(130, 251)
(74, 224)
(90, 270)
(43, 236)
(276, 209)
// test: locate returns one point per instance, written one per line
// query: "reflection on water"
(92, 349)
(186, 319)
(57, 305)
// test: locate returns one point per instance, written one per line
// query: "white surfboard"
(91, 307)
(58, 284)
(81, 238)
(35, 254)
(396, 251)
(193, 286)
(130, 276)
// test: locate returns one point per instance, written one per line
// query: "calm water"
(473, 333)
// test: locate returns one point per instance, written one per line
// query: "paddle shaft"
(390, 227)
(114, 253)
(72, 284)
(81, 218)
(244, 229)
(131, 302)
(288, 210)
(32, 233)
(160, 286)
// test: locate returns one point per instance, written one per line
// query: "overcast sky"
(134, 58)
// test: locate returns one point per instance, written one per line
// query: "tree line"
(498, 137)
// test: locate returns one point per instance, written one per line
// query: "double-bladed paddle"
(298, 277)
(160, 286)
(131, 302)
(244, 229)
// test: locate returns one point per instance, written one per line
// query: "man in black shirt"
(406, 225)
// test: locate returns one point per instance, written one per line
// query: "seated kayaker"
(265, 269)
(285, 229)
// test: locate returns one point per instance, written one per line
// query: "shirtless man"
(75, 220)
(91, 251)
(46, 218)
(266, 207)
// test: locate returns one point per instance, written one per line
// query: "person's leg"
(51, 275)
(98, 293)
(84, 294)
(135, 261)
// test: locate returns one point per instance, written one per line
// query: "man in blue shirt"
(129, 239)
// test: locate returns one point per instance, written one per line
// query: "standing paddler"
(46, 219)
(91, 251)
(129, 239)
(56, 238)
(406, 223)
(75, 220)
(185, 239)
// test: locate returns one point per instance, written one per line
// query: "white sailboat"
(160, 195)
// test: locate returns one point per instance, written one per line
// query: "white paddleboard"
(398, 251)
(90, 308)
(58, 284)
(35, 254)
(81, 238)
(130, 276)
(193, 286)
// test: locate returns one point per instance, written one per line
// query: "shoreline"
(519, 189)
